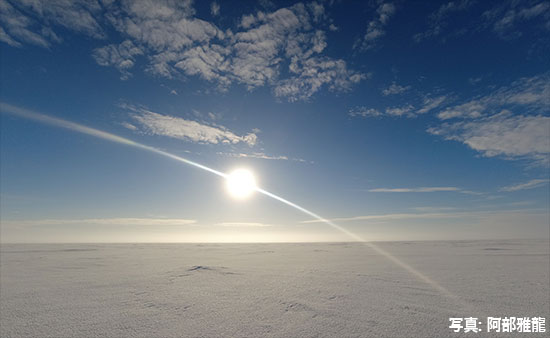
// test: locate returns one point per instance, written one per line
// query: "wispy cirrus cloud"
(243, 224)
(529, 93)
(362, 111)
(426, 104)
(214, 9)
(261, 155)
(507, 16)
(532, 184)
(395, 88)
(426, 190)
(391, 217)
(183, 129)
(375, 28)
(431, 103)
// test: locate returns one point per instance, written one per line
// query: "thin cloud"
(188, 130)
(394, 88)
(440, 215)
(426, 105)
(262, 156)
(18, 27)
(421, 189)
(506, 17)
(121, 56)
(532, 184)
(102, 221)
(438, 19)
(431, 103)
(530, 93)
(362, 111)
(375, 28)
(214, 9)
(242, 224)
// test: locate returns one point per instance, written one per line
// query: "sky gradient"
(397, 120)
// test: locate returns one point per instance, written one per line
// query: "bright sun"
(241, 183)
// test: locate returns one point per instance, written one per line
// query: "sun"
(241, 183)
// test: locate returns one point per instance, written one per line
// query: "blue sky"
(398, 120)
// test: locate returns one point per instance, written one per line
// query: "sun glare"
(241, 183)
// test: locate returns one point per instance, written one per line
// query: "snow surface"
(273, 290)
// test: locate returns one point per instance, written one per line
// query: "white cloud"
(18, 28)
(431, 103)
(400, 111)
(214, 9)
(504, 135)
(392, 217)
(471, 109)
(101, 221)
(176, 44)
(177, 127)
(7, 39)
(428, 104)
(121, 56)
(421, 189)
(375, 28)
(395, 89)
(535, 183)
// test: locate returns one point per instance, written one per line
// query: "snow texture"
(267, 290)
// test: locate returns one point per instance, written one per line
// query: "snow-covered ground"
(278, 290)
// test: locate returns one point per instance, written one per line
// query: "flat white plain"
(273, 290)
